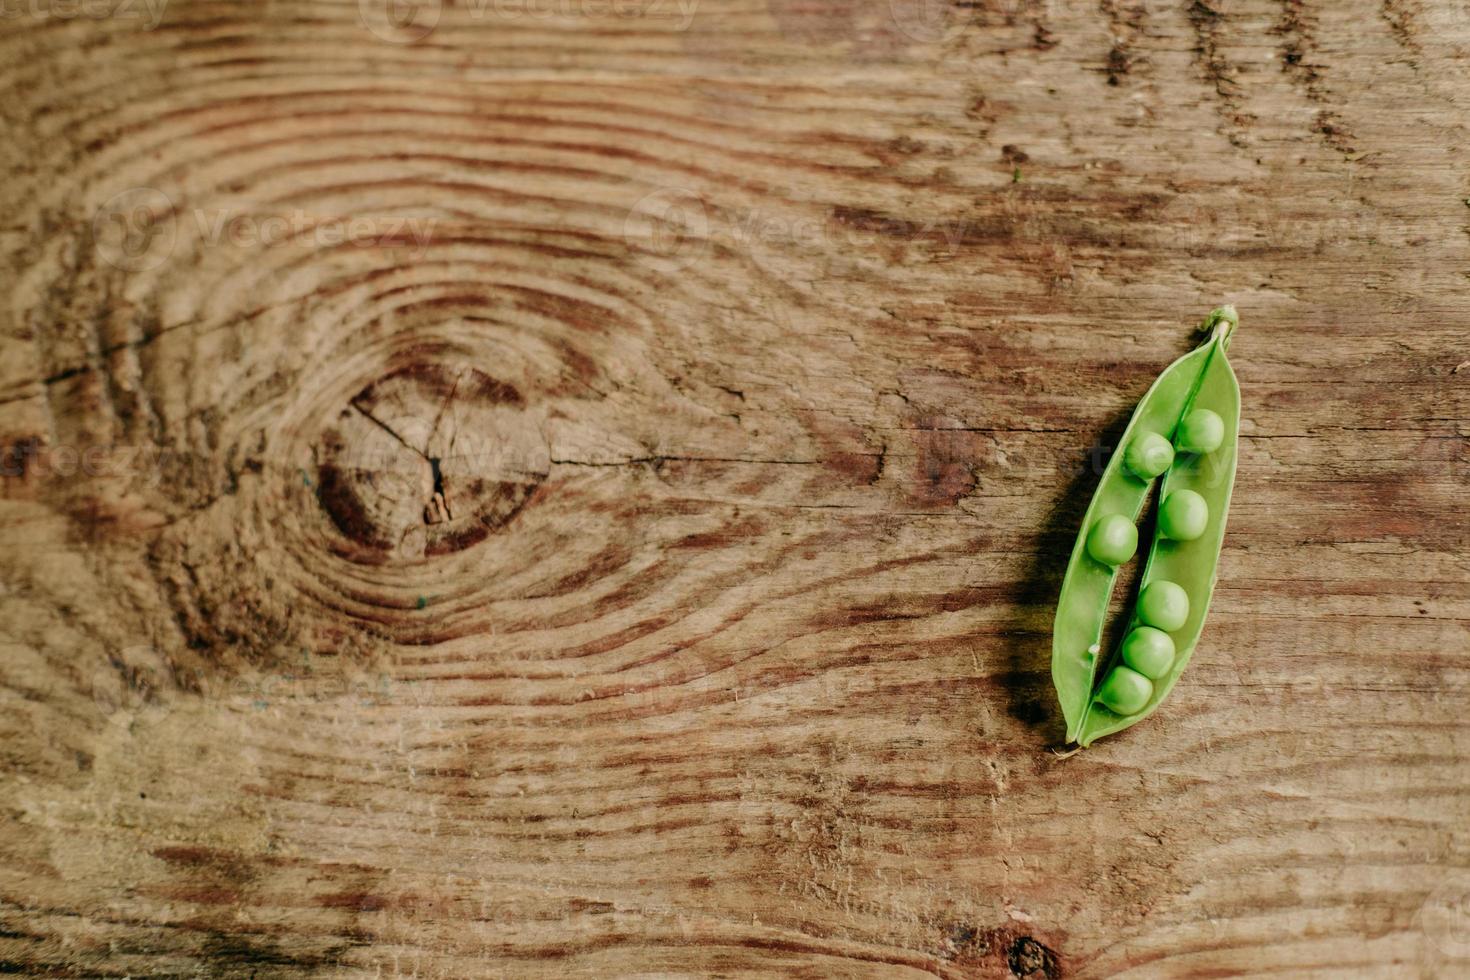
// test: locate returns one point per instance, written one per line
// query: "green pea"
(1148, 455)
(1201, 431)
(1163, 605)
(1183, 515)
(1149, 651)
(1126, 691)
(1113, 540)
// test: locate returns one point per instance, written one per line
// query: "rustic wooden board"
(573, 488)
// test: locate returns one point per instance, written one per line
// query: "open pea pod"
(1185, 428)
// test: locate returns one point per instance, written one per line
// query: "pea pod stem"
(1221, 323)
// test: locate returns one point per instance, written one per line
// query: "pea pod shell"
(1083, 605)
(1190, 564)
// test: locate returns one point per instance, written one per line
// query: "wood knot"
(1029, 958)
(428, 459)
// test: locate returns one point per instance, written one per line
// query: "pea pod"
(1185, 429)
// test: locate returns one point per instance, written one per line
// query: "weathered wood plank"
(579, 489)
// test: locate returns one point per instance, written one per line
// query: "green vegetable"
(1183, 515)
(1149, 651)
(1113, 540)
(1163, 604)
(1201, 431)
(1197, 402)
(1148, 455)
(1125, 691)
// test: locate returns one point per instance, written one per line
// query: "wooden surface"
(578, 489)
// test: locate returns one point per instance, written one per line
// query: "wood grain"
(579, 489)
